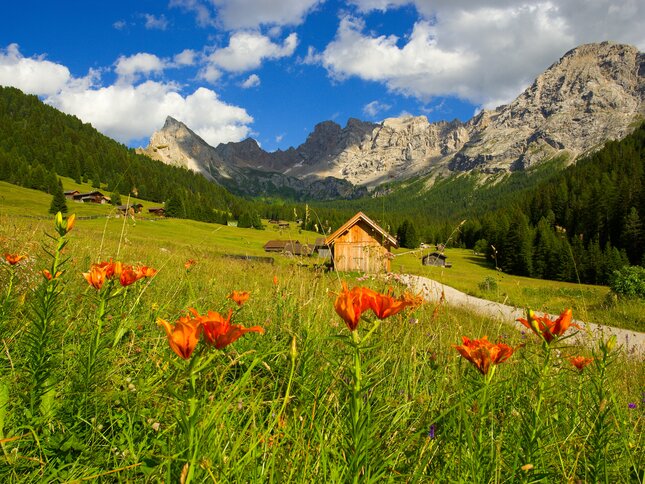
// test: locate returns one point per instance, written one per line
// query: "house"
(132, 209)
(158, 211)
(69, 194)
(296, 248)
(283, 225)
(361, 245)
(321, 249)
(275, 245)
(91, 197)
(436, 259)
(288, 247)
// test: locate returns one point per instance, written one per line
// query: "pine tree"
(59, 203)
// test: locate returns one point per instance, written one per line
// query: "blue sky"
(272, 69)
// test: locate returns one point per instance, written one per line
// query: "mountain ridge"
(593, 93)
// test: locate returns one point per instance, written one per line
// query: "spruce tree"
(59, 203)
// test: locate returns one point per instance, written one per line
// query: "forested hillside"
(38, 142)
(585, 222)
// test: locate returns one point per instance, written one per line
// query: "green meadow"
(93, 388)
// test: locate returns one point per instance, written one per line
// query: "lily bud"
(611, 343)
(293, 352)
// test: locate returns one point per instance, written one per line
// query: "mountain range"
(594, 93)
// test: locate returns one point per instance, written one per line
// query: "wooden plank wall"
(359, 250)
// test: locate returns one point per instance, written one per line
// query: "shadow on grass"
(480, 261)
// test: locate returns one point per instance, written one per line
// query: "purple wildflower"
(632, 405)
(431, 431)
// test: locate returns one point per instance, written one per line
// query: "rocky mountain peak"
(595, 92)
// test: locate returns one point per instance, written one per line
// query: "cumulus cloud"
(120, 24)
(153, 22)
(247, 50)
(127, 112)
(484, 51)
(374, 108)
(130, 68)
(252, 81)
(185, 58)
(247, 14)
(31, 75)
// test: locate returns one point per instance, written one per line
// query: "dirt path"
(632, 341)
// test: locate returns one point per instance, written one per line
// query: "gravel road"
(632, 342)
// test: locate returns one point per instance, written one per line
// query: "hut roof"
(354, 220)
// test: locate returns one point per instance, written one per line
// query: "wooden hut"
(435, 259)
(361, 245)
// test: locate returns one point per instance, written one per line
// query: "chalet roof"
(436, 255)
(91, 194)
(353, 221)
(125, 207)
(71, 192)
(276, 244)
(156, 209)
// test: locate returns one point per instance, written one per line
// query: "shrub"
(629, 282)
(488, 284)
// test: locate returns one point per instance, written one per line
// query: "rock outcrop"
(594, 93)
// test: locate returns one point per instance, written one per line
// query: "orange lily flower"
(384, 305)
(189, 263)
(97, 276)
(275, 280)
(48, 275)
(184, 336)
(110, 268)
(350, 304)
(145, 271)
(545, 327)
(71, 221)
(128, 275)
(219, 331)
(580, 361)
(13, 259)
(482, 353)
(239, 297)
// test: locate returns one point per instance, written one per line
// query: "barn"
(361, 245)
(435, 259)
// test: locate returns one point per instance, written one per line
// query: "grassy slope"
(590, 303)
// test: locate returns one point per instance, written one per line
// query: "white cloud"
(185, 58)
(252, 81)
(210, 74)
(247, 50)
(120, 24)
(247, 14)
(484, 51)
(152, 22)
(244, 14)
(373, 108)
(127, 112)
(130, 68)
(279, 138)
(31, 75)
(201, 10)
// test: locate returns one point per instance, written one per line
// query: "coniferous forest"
(577, 223)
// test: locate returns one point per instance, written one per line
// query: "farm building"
(361, 245)
(70, 194)
(132, 209)
(91, 197)
(435, 259)
(321, 248)
(158, 211)
(288, 247)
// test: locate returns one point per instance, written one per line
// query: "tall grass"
(274, 407)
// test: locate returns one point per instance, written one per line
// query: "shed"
(361, 245)
(275, 245)
(321, 248)
(159, 211)
(136, 208)
(435, 259)
(91, 197)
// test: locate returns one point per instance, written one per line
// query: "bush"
(629, 282)
(488, 284)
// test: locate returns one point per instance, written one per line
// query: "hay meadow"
(91, 388)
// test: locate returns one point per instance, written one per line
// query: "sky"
(273, 69)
